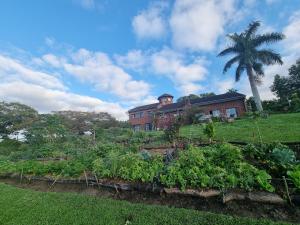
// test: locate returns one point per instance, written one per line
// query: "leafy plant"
(263, 178)
(210, 131)
(294, 174)
(282, 157)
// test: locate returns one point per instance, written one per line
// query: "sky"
(112, 55)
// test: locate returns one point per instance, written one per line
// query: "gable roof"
(199, 101)
(144, 107)
(203, 101)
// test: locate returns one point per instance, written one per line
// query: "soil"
(243, 208)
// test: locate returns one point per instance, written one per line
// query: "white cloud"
(97, 69)
(46, 100)
(184, 75)
(150, 23)
(87, 4)
(53, 60)
(133, 60)
(197, 24)
(12, 69)
(292, 32)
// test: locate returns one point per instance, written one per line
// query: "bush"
(210, 131)
(282, 158)
(219, 166)
(294, 174)
(129, 166)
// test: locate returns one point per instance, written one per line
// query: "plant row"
(221, 166)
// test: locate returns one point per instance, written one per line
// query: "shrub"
(210, 131)
(219, 166)
(294, 174)
(282, 157)
(129, 166)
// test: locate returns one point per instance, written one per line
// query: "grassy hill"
(277, 127)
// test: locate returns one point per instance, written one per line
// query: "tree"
(284, 87)
(15, 116)
(294, 73)
(207, 94)
(250, 57)
(280, 87)
(232, 90)
(189, 97)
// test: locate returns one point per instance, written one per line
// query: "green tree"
(250, 57)
(189, 97)
(15, 116)
(280, 87)
(294, 73)
(207, 94)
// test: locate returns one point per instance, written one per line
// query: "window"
(132, 116)
(150, 113)
(231, 112)
(148, 126)
(136, 127)
(216, 113)
(139, 115)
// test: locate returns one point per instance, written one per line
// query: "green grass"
(277, 127)
(19, 206)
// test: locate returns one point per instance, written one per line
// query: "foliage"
(282, 157)
(263, 178)
(287, 89)
(31, 167)
(193, 96)
(191, 115)
(275, 128)
(15, 116)
(294, 174)
(220, 166)
(209, 130)
(129, 166)
(250, 57)
(172, 132)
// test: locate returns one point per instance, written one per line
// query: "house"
(160, 115)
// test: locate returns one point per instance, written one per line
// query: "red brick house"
(160, 115)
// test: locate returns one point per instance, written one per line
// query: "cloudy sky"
(111, 55)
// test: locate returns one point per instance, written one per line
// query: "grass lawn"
(27, 207)
(277, 127)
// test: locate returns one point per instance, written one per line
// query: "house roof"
(165, 96)
(200, 102)
(144, 107)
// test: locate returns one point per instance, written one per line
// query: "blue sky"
(109, 55)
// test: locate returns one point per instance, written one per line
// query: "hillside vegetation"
(275, 128)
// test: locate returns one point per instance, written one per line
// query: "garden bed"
(208, 200)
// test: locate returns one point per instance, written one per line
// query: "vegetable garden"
(117, 158)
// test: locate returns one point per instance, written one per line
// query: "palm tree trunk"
(254, 89)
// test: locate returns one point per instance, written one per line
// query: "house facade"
(160, 115)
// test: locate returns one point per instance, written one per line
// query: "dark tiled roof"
(204, 101)
(201, 101)
(171, 107)
(164, 96)
(144, 107)
(218, 98)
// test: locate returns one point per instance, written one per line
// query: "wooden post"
(86, 180)
(287, 190)
(21, 176)
(55, 180)
(97, 180)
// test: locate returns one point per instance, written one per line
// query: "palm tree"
(250, 57)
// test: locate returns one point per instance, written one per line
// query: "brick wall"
(167, 119)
